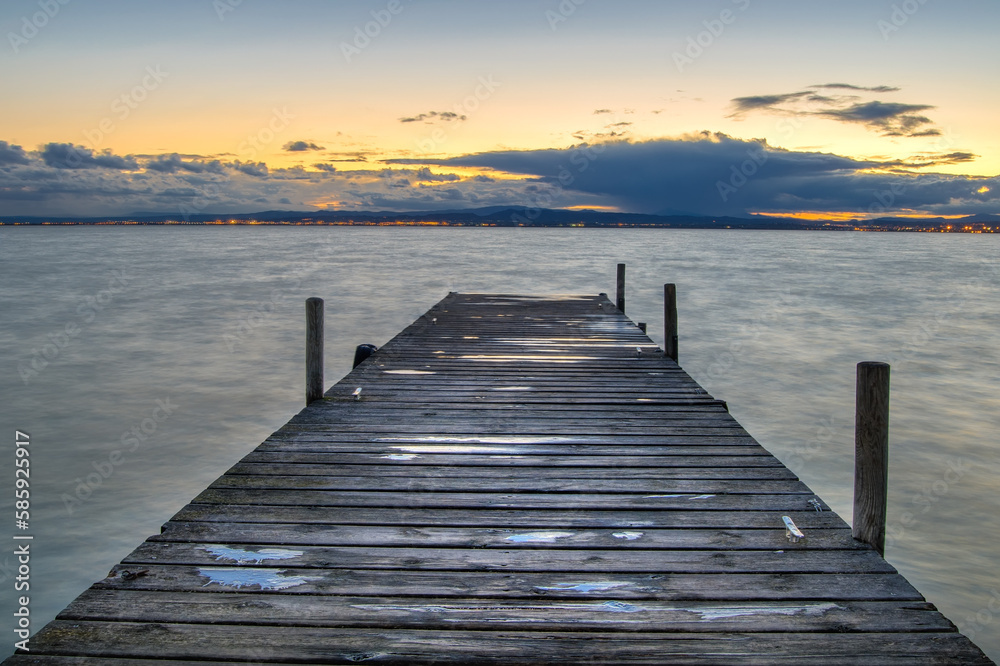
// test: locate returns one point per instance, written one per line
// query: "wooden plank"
(480, 444)
(331, 534)
(594, 417)
(565, 501)
(690, 501)
(514, 615)
(482, 517)
(794, 558)
(335, 645)
(445, 463)
(527, 585)
(381, 468)
(647, 488)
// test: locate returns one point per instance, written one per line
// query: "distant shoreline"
(520, 218)
(747, 227)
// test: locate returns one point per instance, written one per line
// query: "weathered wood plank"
(399, 646)
(528, 614)
(794, 558)
(501, 426)
(528, 519)
(565, 501)
(480, 444)
(381, 468)
(500, 537)
(526, 585)
(570, 465)
(508, 484)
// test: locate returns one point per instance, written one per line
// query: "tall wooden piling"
(314, 349)
(620, 301)
(670, 321)
(871, 451)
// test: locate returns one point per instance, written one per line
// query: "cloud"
(766, 102)
(68, 156)
(599, 111)
(425, 175)
(889, 119)
(12, 154)
(848, 86)
(173, 162)
(893, 119)
(347, 157)
(301, 146)
(704, 174)
(446, 116)
(255, 169)
(716, 174)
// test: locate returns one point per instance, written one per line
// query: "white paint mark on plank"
(620, 607)
(401, 456)
(725, 612)
(591, 586)
(630, 536)
(267, 579)
(538, 537)
(241, 556)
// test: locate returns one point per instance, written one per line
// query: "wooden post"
(621, 287)
(670, 320)
(314, 349)
(871, 454)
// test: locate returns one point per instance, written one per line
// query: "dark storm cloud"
(715, 174)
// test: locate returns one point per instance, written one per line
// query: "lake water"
(183, 349)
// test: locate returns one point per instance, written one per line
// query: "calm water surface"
(182, 348)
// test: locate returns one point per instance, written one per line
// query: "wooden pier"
(519, 480)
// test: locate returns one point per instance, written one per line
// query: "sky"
(818, 110)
